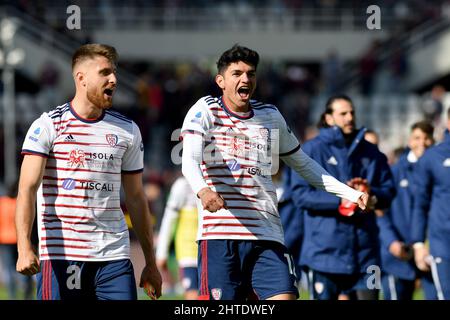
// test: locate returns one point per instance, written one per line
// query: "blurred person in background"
(368, 64)
(292, 220)
(49, 80)
(432, 109)
(372, 137)
(340, 242)
(8, 248)
(431, 214)
(331, 69)
(432, 105)
(179, 224)
(398, 267)
(395, 155)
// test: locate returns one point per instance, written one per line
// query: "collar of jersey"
(231, 113)
(76, 115)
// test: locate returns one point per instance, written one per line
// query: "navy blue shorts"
(395, 288)
(81, 280)
(328, 286)
(189, 278)
(244, 269)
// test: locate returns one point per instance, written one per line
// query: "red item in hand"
(347, 208)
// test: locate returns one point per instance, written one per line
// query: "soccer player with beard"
(230, 149)
(76, 158)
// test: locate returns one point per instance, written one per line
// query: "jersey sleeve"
(40, 136)
(288, 142)
(197, 120)
(133, 158)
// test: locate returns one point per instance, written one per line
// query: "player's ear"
(220, 81)
(80, 78)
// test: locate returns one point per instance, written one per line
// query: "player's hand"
(378, 212)
(362, 185)
(211, 200)
(28, 263)
(399, 250)
(348, 208)
(420, 257)
(363, 201)
(151, 281)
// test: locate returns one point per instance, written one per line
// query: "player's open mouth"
(108, 92)
(244, 92)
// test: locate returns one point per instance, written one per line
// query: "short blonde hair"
(91, 50)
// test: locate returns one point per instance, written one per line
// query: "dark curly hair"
(235, 54)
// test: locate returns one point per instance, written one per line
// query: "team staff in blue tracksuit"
(398, 267)
(431, 214)
(340, 243)
(291, 219)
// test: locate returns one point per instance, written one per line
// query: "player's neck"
(235, 108)
(85, 109)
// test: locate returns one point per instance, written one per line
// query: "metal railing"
(222, 17)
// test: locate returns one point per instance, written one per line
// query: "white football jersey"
(240, 155)
(78, 203)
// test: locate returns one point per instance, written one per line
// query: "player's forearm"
(24, 218)
(318, 177)
(192, 157)
(142, 225)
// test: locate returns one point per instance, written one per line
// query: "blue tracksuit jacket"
(396, 222)
(432, 199)
(333, 243)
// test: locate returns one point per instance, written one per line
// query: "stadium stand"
(159, 81)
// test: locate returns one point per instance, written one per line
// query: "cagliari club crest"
(112, 139)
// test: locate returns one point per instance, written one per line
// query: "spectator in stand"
(8, 248)
(368, 68)
(331, 69)
(432, 108)
(49, 79)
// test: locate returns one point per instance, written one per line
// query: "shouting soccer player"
(230, 149)
(76, 158)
